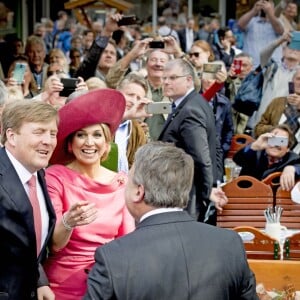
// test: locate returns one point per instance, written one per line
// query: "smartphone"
(128, 20)
(237, 66)
(291, 87)
(278, 141)
(157, 44)
(69, 86)
(159, 108)
(211, 68)
(262, 14)
(19, 72)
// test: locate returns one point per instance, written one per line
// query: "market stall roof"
(121, 5)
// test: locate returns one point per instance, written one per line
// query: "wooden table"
(276, 274)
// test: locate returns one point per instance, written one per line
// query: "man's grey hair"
(166, 173)
(186, 67)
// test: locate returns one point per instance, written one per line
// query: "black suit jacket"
(192, 128)
(171, 256)
(182, 38)
(20, 269)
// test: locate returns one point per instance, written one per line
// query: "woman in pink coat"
(88, 198)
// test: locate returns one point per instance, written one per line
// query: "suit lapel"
(50, 209)
(13, 187)
(175, 113)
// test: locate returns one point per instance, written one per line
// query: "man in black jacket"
(263, 157)
(29, 131)
(192, 127)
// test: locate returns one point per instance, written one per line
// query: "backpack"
(248, 97)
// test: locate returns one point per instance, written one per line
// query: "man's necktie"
(36, 212)
(172, 112)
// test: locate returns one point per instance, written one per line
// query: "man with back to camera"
(29, 131)
(169, 255)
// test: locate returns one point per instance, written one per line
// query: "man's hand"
(111, 24)
(268, 8)
(45, 293)
(287, 178)
(171, 46)
(137, 111)
(221, 76)
(262, 142)
(218, 196)
(294, 100)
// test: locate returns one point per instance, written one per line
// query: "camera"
(128, 20)
(69, 86)
(157, 44)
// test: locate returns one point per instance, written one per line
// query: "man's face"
(291, 10)
(36, 55)
(246, 67)
(33, 144)
(108, 57)
(278, 151)
(173, 86)
(291, 57)
(133, 93)
(88, 40)
(155, 64)
(191, 24)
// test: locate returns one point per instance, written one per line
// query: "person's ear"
(139, 194)
(11, 137)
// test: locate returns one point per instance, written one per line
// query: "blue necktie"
(172, 112)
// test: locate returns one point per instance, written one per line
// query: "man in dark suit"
(187, 35)
(192, 127)
(29, 137)
(169, 255)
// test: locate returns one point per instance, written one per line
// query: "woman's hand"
(81, 85)
(81, 213)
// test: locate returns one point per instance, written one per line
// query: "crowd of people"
(105, 170)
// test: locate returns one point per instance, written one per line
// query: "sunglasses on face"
(196, 54)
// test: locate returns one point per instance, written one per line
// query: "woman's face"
(89, 145)
(56, 57)
(198, 57)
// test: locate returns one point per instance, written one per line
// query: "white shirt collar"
(179, 100)
(159, 211)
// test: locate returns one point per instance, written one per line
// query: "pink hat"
(98, 106)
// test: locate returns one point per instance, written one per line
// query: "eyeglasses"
(196, 54)
(173, 77)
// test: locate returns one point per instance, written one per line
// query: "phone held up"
(128, 20)
(159, 108)
(276, 140)
(69, 86)
(19, 72)
(291, 87)
(157, 44)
